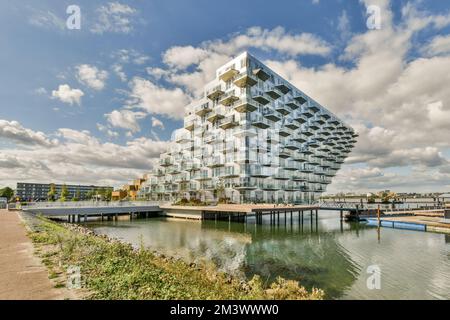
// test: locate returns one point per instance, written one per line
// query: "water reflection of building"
(297, 252)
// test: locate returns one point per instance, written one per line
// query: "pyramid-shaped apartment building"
(251, 138)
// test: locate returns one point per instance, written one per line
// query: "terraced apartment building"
(252, 137)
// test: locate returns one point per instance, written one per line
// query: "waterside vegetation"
(111, 269)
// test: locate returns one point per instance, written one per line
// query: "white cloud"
(183, 57)
(67, 94)
(78, 157)
(125, 119)
(15, 132)
(439, 45)
(118, 70)
(157, 123)
(114, 17)
(46, 19)
(124, 56)
(91, 76)
(158, 100)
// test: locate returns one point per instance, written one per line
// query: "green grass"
(114, 270)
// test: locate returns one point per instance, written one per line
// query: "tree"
(52, 193)
(77, 196)
(7, 193)
(64, 193)
(90, 194)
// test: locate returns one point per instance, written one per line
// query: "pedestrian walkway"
(22, 275)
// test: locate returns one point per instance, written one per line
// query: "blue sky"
(71, 98)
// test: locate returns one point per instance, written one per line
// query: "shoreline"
(117, 270)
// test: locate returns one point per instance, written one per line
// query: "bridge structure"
(75, 211)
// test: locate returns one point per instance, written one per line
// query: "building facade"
(252, 137)
(39, 191)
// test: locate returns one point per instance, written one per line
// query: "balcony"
(285, 153)
(284, 132)
(299, 177)
(271, 115)
(299, 137)
(299, 157)
(274, 93)
(313, 143)
(292, 145)
(165, 162)
(292, 104)
(283, 88)
(231, 172)
(261, 74)
(314, 126)
(269, 186)
(229, 98)
(202, 176)
(259, 172)
(190, 124)
(300, 98)
(259, 121)
(228, 122)
(245, 80)
(307, 113)
(261, 97)
(215, 92)
(245, 184)
(291, 124)
(245, 132)
(307, 169)
(314, 108)
(159, 173)
(215, 162)
(245, 105)
(216, 115)
(299, 117)
(281, 175)
(291, 165)
(203, 109)
(291, 187)
(229, 73)
(281, 108)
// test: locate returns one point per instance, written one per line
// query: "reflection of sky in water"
(329, 255)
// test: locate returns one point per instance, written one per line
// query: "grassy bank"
(114, 270)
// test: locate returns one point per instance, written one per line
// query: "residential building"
(39, 191)
(251, 137)
(129, 191)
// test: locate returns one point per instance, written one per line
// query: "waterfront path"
(22, 275)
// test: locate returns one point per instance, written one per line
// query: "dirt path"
(22, 275)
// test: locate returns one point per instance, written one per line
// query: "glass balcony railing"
(229, 98)
(215, 92)
(229, 73)
(245, 105)
(245, 79)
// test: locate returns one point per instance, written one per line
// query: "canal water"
(329, 254)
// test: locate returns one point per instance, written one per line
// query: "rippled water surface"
(326, 254)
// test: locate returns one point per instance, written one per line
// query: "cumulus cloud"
(439, 45)
(68, 95)
(114, 17)
(15, 132)
(91, 76)
(78, 157)
(152, 98)
(125, 119)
